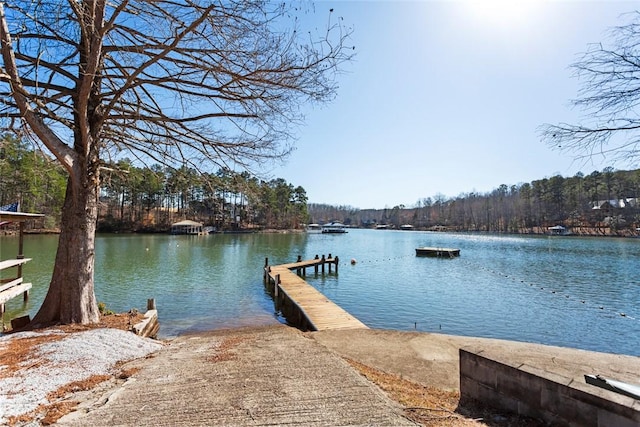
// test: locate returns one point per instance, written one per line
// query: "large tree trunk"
(71, 297)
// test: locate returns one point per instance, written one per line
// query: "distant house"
(615, 220)
(628, 202)
(187, 227)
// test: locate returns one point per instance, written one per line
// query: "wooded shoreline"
(535, 231)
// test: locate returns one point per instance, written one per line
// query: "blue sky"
(445, 97)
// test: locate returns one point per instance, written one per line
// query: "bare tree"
(609, 96)
(187, 83)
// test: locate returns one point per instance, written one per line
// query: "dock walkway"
(302, 304)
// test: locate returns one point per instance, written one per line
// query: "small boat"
(406, 227)
(313, 228)
(383, 227)
(558, 230)
(334, 228)
(438, 252)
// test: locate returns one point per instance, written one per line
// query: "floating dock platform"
(438, 252)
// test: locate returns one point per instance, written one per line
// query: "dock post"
(329, 263)
(265, 277)
(323, 261)
(275, 286)
(151, 304)
(337, 264)
(315, 267)
(20, 247)
(299, 270)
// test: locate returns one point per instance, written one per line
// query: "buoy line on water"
(471, 264)
(378, 260)
(599, 307)
(502, 274)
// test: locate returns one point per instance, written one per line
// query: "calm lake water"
(567, 291)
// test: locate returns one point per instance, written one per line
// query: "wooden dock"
(14, 286)
(302, 304)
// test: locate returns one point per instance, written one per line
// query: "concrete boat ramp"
(246, 377)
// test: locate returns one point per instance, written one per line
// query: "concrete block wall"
(542, 395)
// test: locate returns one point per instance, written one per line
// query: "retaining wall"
(552, 398)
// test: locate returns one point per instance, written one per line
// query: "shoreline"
(535, 231)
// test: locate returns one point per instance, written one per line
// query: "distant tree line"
(34, 180)
(604, 202)
(152, 198)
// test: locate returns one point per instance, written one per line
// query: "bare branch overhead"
(174, 78)
(609, 98)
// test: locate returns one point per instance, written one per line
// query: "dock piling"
(300, 270)
(265, 276)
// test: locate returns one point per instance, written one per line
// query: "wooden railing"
(13, 286)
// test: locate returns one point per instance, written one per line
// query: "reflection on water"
(568, 291)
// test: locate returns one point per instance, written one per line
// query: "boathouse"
(558, 230)
(187, 227)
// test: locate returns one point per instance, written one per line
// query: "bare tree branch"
(609, 96)
(64, 155)
(171, 63)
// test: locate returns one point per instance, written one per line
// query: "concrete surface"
(278, 375)
(263, 376)
(433, 359)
